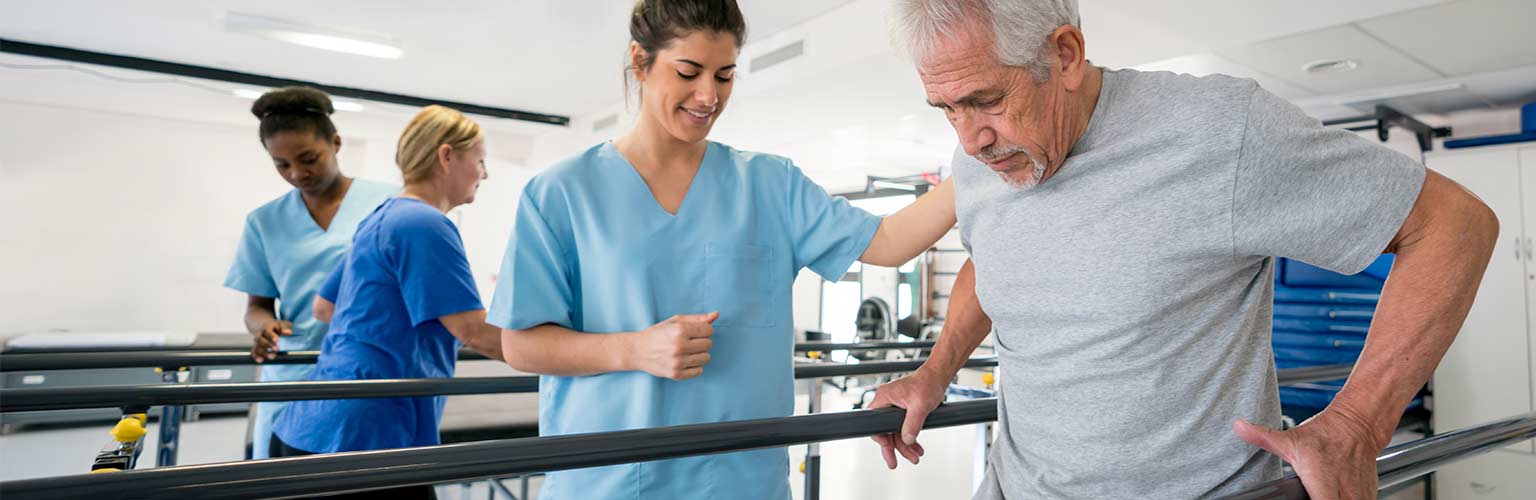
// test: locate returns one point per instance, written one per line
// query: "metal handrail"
(369, 470)
(1406, 461)
(1309, 374)
(826, 370)
(118, 396)
(95, 360)
(143, 396)
(862, 346)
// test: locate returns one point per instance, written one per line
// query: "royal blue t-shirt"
(406, 268)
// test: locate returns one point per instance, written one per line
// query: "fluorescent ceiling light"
(251, 94)
(348, 42)
(340, 105)
(346, 105)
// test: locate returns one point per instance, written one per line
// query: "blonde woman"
(404, 300)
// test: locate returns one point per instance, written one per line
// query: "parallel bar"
(1410, 460)
(67, 398)
(94, 360)
(821, 370)
(369, 470)
(207, 73)
(861, 346)
(1293, 376)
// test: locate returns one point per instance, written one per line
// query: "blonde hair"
(434, 126)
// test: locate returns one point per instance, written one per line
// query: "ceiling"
(850, 105)
(514, 54)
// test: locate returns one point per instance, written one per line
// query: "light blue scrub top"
(285, 255)
(594, 252)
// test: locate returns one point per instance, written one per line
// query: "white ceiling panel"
(1220, 23)
(1379, 64)
(1464, 37)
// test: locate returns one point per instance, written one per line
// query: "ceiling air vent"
(778, 55)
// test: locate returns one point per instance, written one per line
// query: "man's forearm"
(965, 326)
(1432, 285)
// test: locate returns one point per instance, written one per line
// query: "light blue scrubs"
(285, 255)
(594, 252)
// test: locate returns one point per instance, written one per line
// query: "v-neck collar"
(340, 208)
(709, 147)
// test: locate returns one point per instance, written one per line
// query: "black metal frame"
(368, 470)
(142, 396)
(172, 359)
(137, 396)
(1387, 117)
(862, 346)
(223, 75)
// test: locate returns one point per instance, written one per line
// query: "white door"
(1476, 382)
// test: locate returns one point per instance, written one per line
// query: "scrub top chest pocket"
(738, 282)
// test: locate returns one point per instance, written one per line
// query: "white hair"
(1020, 28)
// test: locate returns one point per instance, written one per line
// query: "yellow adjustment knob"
(802, 467)
(987, 378)
(129, 429)
(93, 471)
(814, 354)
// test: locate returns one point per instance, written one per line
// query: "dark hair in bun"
(655, 24)
(290, 109)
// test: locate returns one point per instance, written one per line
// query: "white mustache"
(992, 153)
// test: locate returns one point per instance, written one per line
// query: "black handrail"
(825, 370)
(137, 396)
(118, 396)
(1406, 461)
(1310, 374)
(369, 470)
(862, 346)
(171, 359)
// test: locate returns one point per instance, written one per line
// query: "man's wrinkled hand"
(1334, 453)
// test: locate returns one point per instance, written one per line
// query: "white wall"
(117, 221)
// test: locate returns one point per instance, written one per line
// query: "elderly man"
(1123, 227)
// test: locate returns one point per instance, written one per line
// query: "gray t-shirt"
(1131, 291)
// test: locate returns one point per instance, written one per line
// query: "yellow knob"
(987, 378)
(802, 467)
(105, 470)
(130, 428)
(814, 354)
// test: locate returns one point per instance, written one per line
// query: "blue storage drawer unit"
(1321, 318)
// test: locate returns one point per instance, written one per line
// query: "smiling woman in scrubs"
(405, 302)
(291, 243)
(649, 278)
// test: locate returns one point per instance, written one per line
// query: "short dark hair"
(289, 109)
